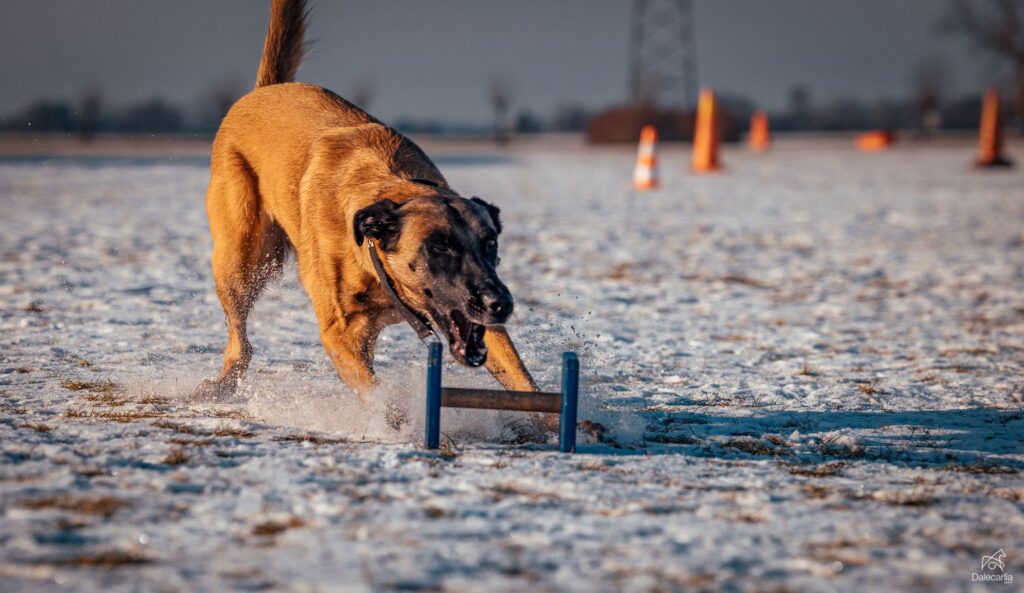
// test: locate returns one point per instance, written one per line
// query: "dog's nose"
(498, 305)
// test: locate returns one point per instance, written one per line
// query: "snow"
(809, 367)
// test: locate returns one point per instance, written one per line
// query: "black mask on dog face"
(441, 253)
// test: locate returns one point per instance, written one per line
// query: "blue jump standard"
(563, 403)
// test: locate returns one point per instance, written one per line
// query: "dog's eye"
(491, 245)
(440, 247)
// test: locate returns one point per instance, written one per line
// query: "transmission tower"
(662, 54)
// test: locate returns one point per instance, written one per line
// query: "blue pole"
(570, 395)
(433, 421)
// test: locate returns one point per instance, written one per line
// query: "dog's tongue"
(468, 340)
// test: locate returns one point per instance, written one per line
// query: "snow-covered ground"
(811, 367)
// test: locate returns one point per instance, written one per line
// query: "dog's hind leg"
(248, 251)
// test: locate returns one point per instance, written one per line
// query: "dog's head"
(441, 252)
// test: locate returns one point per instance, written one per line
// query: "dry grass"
(271, 528)
(806, 370)
(105, 559)
(104, 506)
(675, 439)
(238, 433)
(180, 428)
(310, 438)
(106, 398)
(818, 471)
(869, 388)
(151, 398)
(754, 447)
(982, 467)
(129, 415)
(38, 427)
(103, 386)
(190, 442)
(746, 281)
(448, 448)
(177, 456)
(816, 492)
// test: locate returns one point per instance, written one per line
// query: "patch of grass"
(24, 370)
(104, 506)
(238, 433)
(310, 438)
(151, 398)
(177, 456)
(746, 281)
(106, 398)
(271, 528)
(233, 414)
(818, 471)
(447, 448)
(127, 415)
(806, 370)
(105, 559)
(982, 467)
(754, 447)
(180, 428)
(816, 492)
(674, 439)
(37, 426)
(836, 446)
(103, 386)
(190, 442)
(434, 512)
(869, 388)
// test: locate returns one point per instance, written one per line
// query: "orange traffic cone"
(873, 141)
(705, 134)
(990, 134)
(645, 176)
(760, 137)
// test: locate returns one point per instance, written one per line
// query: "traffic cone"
(990, 134)
(760, 137)
(705, 134)
(873, 141)
(645, 176)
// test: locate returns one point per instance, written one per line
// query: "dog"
(297, 169)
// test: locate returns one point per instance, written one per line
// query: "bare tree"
(220, 97)
(500, 90)
(996, 27)
(89, 114)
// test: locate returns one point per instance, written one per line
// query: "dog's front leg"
(504, 363)
(350, 347)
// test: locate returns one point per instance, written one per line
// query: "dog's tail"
(285, 44)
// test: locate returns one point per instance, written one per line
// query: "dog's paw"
(395, 416)
(538, 429)
(212, 391)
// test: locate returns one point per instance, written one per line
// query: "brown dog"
(296, 167)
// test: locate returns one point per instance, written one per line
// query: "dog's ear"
(380, 221)
(493, 210)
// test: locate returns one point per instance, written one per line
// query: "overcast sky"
(433, 58)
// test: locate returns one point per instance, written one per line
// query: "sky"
(432, 59)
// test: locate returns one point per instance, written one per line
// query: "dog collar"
(422, 328)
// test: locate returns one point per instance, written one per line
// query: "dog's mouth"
(465, 339)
